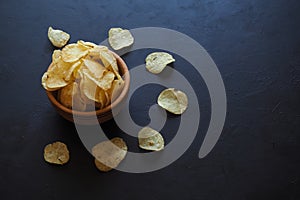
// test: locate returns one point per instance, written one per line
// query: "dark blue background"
(255, 44)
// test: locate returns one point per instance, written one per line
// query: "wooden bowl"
(97, 116)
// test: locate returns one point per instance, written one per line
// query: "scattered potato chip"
(119, 38)
(58, 38)
(109, 154)
(150, 139)
(56, 153)
(157, 61)
(174, 101)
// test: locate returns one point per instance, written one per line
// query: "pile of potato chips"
(85, 75)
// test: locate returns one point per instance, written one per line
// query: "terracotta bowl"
(97, 116)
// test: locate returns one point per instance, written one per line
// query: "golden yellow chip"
(103, 99)
(56, 153)
(109, 154)
(157, 61)
(66, 94)
(74, 52)
(51, 82)
(88, 87)
(150, 139)
(78, 103)
(56, 56)
(95, 68)
(116, 89)
(110, 62)
(174, 101)
(58, 38)
(119, 38)
(68, 74)
(104, 82)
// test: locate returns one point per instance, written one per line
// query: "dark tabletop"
(256, 46)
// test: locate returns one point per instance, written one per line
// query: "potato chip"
(56, 56)
(56, 153)
(74, 52)
(78, 103)
(116, 89)
(109, 154)
(95, 68)
(157, 61)
(58, 38)
(68, 74)
(51, 82)
(104, 82)
(88, 87)
(173, 100)
(150, 139)
(103, 98)
(65, 95)
(110, 62)
(119, 38)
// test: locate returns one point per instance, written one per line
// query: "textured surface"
(256, 46)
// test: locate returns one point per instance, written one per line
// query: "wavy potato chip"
(173, 100)
(157, 61)
(58, 38)
(109, 154)
(95, 68)
(56, 153)
(116, 89)
(51, 82)
(150, 139)
(88, 87)
(66, 94)
(119, 38)
(74, 52)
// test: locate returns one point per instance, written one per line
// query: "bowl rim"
(126, 77)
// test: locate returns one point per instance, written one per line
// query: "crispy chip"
(95, 68)
(110, 62)
(157, 61)
(74, 52)
(119, 38)
(56, 56)
(150, 139)
(116, 89)
(88, 87)
(103, 99)
(51, 82)
(68, 74)
(109, 154)
(58, 38)
(174, 101)
(65, 95)
(56, 153)
(104, 82)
